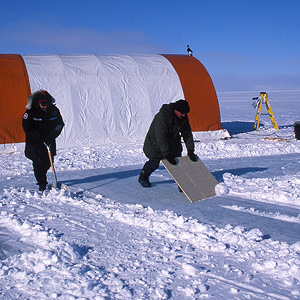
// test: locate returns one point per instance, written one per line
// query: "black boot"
(42, 187)
(149, 167)
(144, 180)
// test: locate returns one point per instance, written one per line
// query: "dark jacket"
(40, 126)
(165, 132)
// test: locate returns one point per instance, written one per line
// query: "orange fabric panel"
(14, 90)
(199, 91)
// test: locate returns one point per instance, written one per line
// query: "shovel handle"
(51, 162)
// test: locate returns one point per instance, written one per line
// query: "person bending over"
(163, 140)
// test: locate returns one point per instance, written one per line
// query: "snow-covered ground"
(109, 238)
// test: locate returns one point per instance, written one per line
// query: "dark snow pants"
(150, 166)
(40, 168)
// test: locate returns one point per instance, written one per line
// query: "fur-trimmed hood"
(31, 101)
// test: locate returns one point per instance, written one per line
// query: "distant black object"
(189, 50)
(297, 130)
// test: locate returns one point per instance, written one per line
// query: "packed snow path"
(240, 207)
(121, 185)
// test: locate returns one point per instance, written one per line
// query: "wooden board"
(193, 178)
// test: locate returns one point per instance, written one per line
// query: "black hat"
(43, 97)
(182, 106)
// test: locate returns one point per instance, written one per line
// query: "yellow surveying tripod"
(259, 101)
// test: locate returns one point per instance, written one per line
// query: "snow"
(109, 238)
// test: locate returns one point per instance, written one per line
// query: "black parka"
(165, 132)
(41, 126)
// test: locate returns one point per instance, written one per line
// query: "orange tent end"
(199, 91)
(14, 90)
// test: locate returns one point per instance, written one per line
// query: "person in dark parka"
(163, 139)
(42, 123)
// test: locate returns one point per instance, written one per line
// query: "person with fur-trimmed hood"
(42, 123)
(163, 139)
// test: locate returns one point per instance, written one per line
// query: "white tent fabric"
(105, 98)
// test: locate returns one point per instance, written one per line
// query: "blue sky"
(244, 44)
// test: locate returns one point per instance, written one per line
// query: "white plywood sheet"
(193, 178)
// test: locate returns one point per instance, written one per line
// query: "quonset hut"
(105, 98)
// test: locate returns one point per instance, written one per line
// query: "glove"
(192, 156)
(48, 140)
(171, 159)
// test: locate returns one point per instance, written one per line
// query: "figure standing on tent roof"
(189, 51)
(163, 139)
(42, 123)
